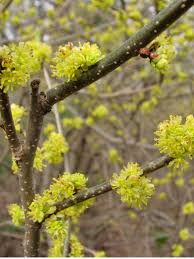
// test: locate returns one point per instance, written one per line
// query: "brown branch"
(8, 125)
(32, 235)
(106, 186)
(129, 49)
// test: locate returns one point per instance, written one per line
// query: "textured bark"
(8, 124)
(31, 239)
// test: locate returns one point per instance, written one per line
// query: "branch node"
(35, 85)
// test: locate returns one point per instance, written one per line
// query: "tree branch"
(8, 125)
(6, 6)
(120, 55)
(32, 235)
(106, 186)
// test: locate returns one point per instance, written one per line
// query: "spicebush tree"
(75, 67)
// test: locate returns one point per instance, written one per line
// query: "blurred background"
(107, 124)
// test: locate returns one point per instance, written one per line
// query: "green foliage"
(134, 188)
(54, 148)
(161, 238)
(71, 61)
(18, 62)
(16, 213)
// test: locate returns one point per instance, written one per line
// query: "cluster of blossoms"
(184, 234)
(52, 151)
(75, 122)
(98, 113)
(57, 230)
(176, 139)
(188, 208)
(49, 128)
(71, 61)
(114, 156)
(56, 225)
(177, 250)
(135, 189)
(18, 62)
(165, 53)
(103, 4)
(17, 113)
(161, 4)
(16, 213)
(63, 188)
(54, 148)
(38, 160)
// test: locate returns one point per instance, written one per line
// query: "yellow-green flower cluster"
(38, 160)
(76, 247)
(134, 188)
(148, 106)
(17, 113)
(16, 213)
(57, 229)
(76, 122)
(100, 254)
(18, 62)
(176, 139)
(188, 208)
(54, 148)
(50, 127)
(57, 248)
(100, 111)
(63, 188)
(75, 211)
(161, 4)
(184, 234)
(41, 52)
(71, 61)
(114, 155)
(166, 53)
(103, 4)
(177, 250)
(14, 167)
